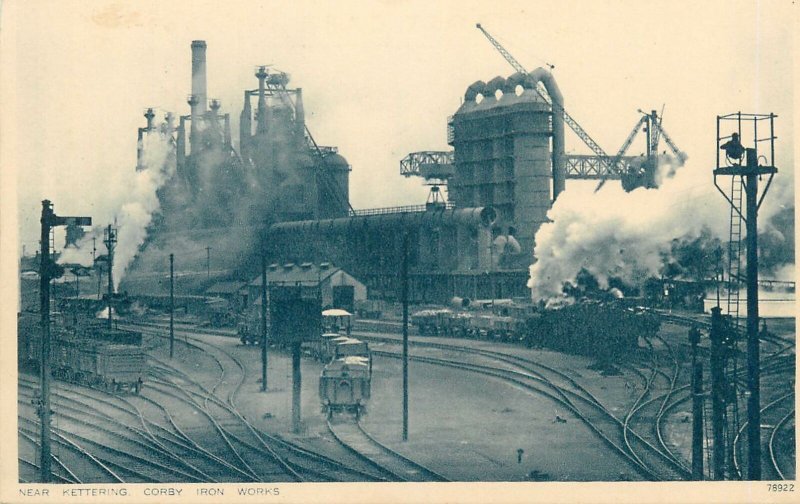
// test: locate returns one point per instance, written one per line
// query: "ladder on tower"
(735, 249)
(734, 286)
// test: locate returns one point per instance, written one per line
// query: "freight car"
(605, 330)
(88, 354)
(344, 386)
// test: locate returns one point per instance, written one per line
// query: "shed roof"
(304, 274)
(225, 287)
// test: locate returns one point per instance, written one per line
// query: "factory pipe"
(227, 130)
(139, 149)
(245, 125)
(483, 217)
(261, 111)
(559, 170)
(198, 78)
(299, 117)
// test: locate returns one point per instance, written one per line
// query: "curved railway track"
(659, 461)
(300, 463)
(393, 465)
(766, 412)
(773, 451)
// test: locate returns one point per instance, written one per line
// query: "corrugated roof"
(307, 274)
(225, 288)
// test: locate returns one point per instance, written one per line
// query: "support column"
(171, 305)
(44, 364)
(263, 322)
(718, 393)
(405, 336)
(296, 388)
(753, 358)
(697, 408)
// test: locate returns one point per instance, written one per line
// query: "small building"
(338, 288)
(235, 293)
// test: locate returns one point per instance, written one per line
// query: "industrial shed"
(235, 293)
(339, 289)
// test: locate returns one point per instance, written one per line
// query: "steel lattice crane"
(567, 118)
(603, 166)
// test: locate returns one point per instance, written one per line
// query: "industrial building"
(507, 166)
(291, 196)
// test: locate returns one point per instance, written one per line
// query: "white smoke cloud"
(138, 203)
(612, 233)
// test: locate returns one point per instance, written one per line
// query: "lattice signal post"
(747, 158)
(48, 270)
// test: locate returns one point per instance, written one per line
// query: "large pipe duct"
(480, 217)
(198, 78)
(559, 170)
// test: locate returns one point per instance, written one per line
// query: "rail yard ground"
(474, 405)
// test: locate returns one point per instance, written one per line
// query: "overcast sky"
(379, 78)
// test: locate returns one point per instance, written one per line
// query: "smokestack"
(139, 149)
(299, 114)
(168, 127)
(245, 128)
(149, 115)
(181, 145)
(227, 130)
(261, 111)
(199, 77)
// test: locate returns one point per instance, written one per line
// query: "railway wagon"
(109, 366)
(352, 347)
(110, 359)
(344, 386)
(322, 347)
(431, 322)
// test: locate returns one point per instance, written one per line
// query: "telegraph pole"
(263, 322)
(171, 304)
(405, 335)
(208, 263)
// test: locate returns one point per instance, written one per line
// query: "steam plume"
(612, 233)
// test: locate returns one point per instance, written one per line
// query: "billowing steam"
(614, 234)
(139, 203)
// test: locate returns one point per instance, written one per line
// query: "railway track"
(581, 394)
(153, 441)
(783, 471)
(607, 426)
(393, 465)
(127, 454)
(772, 410)
(300, 463)
(659, 405)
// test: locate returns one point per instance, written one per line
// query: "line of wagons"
(445, 322)
(344, 384)
(603, 330)
(88, 353)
